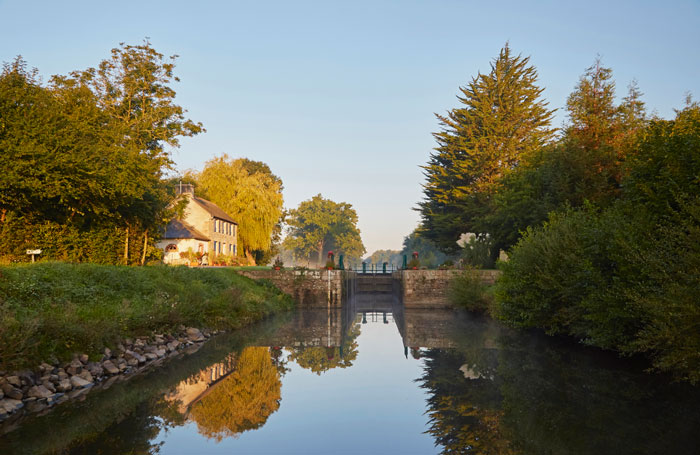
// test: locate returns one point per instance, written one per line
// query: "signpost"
(33, 252)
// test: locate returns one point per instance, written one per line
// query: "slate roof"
(213, 209)
(178, 229)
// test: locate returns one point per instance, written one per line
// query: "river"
(384, 382)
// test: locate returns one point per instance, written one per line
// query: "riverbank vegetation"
(600, 220)
(52, 310)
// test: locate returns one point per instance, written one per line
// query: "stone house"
(203, 228)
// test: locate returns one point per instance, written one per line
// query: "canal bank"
(68, 327)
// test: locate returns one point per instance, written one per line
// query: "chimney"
(184, 188)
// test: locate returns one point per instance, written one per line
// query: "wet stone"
(11, 405)
(14, 380)
(78, 382)
(110, 367)
(64, 386)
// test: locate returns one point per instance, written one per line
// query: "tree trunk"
(320, 254)
(250, 257)
(126, 247)
(145, 247)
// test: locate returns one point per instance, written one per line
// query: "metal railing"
(374, 269)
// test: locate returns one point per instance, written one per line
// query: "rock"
(193, 334)
(161, 352)
(173, 345)
(159, 339)
(84, 359)
(78, 382)
(46, 368)
(27, 378)
(108, 354)
(36, 406)
(2, 394)
(75, 367)
(110, 367)
(11, 405)
(54, 378)
(95, 369)
(151, 356)
(49, 386)
(62, 374)
(39, 391)
(87, 376)
(14, 380)
(12, 392)
(3, 414)
(150, 348)
(64, 386)
(134, 355)
(132, 362)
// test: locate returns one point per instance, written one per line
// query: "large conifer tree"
(502, 118)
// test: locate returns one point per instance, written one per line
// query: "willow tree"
(243, 400)
(320, 225)
(249, 192)
(502, 119)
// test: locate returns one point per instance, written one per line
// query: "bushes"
(55, 309)
(468, 291)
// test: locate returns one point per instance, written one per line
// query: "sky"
(339, 98)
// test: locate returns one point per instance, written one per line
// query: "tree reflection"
(464, 405)
(505, 391)
(320, 359)
(243, 400)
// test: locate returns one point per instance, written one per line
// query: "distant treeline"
(601, 219)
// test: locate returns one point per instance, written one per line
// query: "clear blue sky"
(339, 97)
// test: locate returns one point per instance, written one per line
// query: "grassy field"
(52, 310)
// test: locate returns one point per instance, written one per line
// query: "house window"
(171, 248)
(214, 246)
(235, 248)
(214, 225)
(224, 247)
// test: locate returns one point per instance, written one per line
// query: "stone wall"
(309, 288)
(430, 288)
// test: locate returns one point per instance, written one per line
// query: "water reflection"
(408, 381)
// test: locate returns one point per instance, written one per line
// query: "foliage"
(502, 120)
(320, 225)
(58, 309)
(624, 277)
(587, 164)
(243, 400)
(381, 256)
(477, 251)
(428, 254)
(86, 154)
(249, 192)
(467, 291)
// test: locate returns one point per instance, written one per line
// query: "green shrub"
(468, 291)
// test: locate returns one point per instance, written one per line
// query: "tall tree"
(133, 88)
(320, 225)
(503, 118)
(249, 192)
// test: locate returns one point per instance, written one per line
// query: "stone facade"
(430, 288)
(309, 288)
(222, 231)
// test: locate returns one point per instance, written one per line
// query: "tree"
(85, 155)
(428, 254)
(133, 90)
(502, 120)
(321, 225)
(587, 164)
(249, 192)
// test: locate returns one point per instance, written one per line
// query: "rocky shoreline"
(38, 390)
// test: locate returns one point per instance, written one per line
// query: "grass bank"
(468, 291)
(52, 310)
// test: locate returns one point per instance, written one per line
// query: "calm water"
(385, 382)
